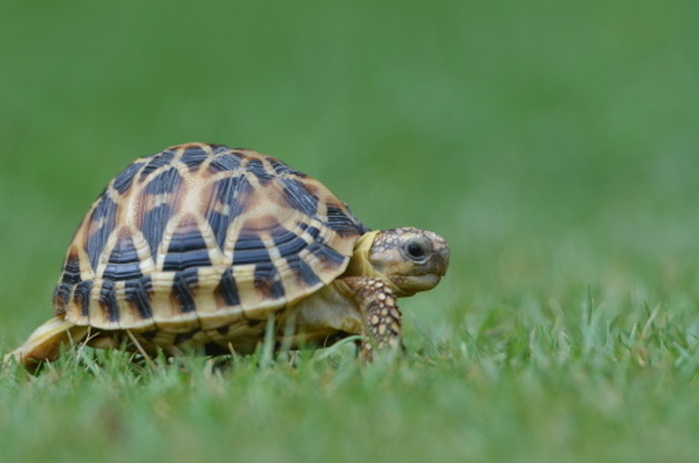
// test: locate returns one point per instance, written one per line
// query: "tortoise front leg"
(381, 326)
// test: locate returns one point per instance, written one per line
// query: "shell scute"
(281, 168)
(81, 297)
(194, 156)
(182, 289)
(267, 281)
(71, 269)
(224, 162)
(302, 271)
(157, 161)
(108, 302)
(165, 182)
(340, 220)
(326, 254)
(123, 181)
(257, 168)
(230, 199)
(61, 296)
(187, 248)
(124, 263)
(249, 249)
(226, 290)
(100, 227)
(288, 243)
(136, 295)
(152, 225)
(298, 197)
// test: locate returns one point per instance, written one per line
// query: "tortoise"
(202, 245)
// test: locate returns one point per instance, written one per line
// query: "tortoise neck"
(360, 264)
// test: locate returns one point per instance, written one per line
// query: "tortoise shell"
(198, 236)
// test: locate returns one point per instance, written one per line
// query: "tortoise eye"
(414, 252)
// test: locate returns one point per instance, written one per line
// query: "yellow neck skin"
(359, 265)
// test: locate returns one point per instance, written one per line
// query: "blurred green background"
(554, 144)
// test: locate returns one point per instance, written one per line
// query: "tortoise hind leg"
(44, 344)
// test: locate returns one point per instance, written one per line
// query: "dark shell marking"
(193, 243)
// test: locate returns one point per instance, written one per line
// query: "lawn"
(553, 145)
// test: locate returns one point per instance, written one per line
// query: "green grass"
(553, 145)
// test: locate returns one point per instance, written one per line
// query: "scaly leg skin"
(382, 319)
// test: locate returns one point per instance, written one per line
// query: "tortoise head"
(411, 259)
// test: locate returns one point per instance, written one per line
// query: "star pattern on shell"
(188, 238)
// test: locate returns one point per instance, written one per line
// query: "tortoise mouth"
(408, 285)
(437, 266)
